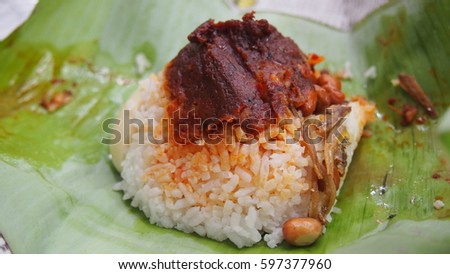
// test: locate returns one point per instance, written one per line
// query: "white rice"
(240, 192)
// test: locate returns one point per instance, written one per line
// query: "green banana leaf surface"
(56, 176)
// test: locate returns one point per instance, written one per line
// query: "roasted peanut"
(326, 79)
(302, 231)
(310, 105)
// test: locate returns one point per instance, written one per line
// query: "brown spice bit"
(57, 81)
(367, 133)
(409, 84)
(433, 72)
(440, 198)
(404, 143)
(383, 41)
(447, 180)
(421, 120)
(408, 113)
(57, 101)
(395, 109)
(392, 101)
(436, 175)
(75, 60)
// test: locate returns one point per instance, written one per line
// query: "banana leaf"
(56, 176)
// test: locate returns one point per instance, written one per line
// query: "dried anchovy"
(322, 199)
(335, 114)
(327, 175)
(409, 84)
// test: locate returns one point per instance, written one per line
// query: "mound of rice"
(240, 192)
